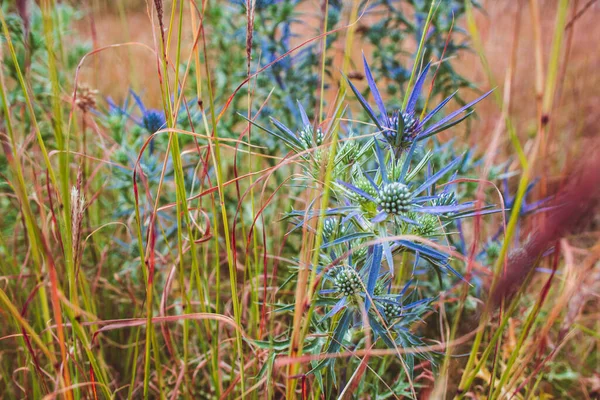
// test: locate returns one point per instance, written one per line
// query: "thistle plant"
(152, 119)
(389, 191)
(388, 314)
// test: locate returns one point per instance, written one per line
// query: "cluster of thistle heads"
(389, 198)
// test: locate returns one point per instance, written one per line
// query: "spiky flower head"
(349, 151)
(391, 310)
(309, 138)
(347, 281)
(329, 227)
(428, 225)
(394, 198)
(303, 139)
(153, 120)
(401, 129)
(398, 196)
(493, 250)
(360, 253)
(445, 199)
(380, 288)
(319, 137)
(365, 187)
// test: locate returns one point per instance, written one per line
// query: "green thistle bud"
(446, 199)
(379, 289)
(394, 198)
(310, 139)
(319, 137)
(428, 225)
(121, 157)
(329, 227)
(363, 184)
(391, 311)
(493, 251)
(349, 152)
(347, 281)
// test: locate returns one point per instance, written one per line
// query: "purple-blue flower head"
(400, 128)
(152, 119)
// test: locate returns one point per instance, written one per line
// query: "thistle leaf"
(373, 274)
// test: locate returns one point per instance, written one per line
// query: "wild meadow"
(299, 199)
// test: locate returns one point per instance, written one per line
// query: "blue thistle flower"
(330, 228)
(152, 120)
(427, 225)
(352, 285)
(403, 305)
(400, 128)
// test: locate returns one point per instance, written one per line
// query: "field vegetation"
(299, 199)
